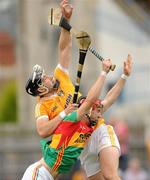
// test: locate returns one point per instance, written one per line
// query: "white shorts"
(38, 172)
(104, 136)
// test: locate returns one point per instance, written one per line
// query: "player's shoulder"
(43, 102)
(71, 117)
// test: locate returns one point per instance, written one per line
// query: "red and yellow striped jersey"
(67, 143)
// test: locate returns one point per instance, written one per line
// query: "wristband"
(104, 73)
(62, 114)
(123, 76)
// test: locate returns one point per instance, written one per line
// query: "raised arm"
(65, 43)
(95, 90)
(115, 91)
(44, 125)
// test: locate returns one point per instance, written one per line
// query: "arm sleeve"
(71, 117)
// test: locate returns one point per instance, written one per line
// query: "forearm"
(46, 128)
(65, 48)
(95, 91)
(113, 94)
(92, 96)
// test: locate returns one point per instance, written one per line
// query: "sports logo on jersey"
(68, 99)
(60, 93)
(54, 108)
(83, 137)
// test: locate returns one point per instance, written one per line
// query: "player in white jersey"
(100, 157)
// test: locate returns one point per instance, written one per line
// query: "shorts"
(103, 137)
(38, 172)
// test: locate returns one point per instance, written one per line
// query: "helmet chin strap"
(43, 90)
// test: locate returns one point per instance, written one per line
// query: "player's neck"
(50, 93)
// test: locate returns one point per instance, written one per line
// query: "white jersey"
(103, 137)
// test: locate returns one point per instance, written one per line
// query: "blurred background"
(117, 27)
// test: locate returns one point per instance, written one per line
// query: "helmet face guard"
(34, 85)
(36, 88)
(95, 105)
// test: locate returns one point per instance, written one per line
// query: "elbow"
(42, 130)
(42, 133)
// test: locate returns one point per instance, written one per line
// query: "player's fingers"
(63, 3)
(129, 62)
(129, 59)
(124, 64)
(67, 7)
(74, 105)
(109, 62)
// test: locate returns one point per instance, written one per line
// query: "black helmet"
(34, 85)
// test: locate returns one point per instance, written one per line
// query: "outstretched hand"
(128, 65)
(66, 9)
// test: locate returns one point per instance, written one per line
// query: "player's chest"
(64, 96)
(76, 133)
(57, 105)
